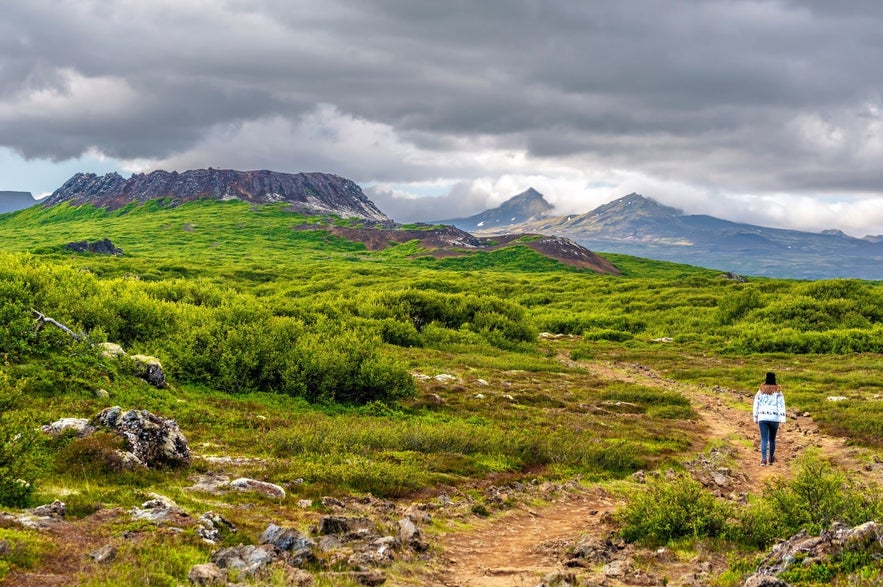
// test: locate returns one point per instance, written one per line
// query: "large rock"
(409, 535)
(150, 370)
(102, 247)
(156, 442)
(299, 547)
(345, 527)
(147, 368)
(247, 560)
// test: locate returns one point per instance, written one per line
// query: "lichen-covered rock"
(348, 528)
(78, 426)
(247, 560)
(156, 442)
(150, 369)
(211, 527)
(866, 538)
(287, 539)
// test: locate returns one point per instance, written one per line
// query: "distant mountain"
(525, 207)
(12, 201)
(310, 193)
(635, 225)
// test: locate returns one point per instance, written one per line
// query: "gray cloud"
(746, 97)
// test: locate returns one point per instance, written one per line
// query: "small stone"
(758, 580)
(105, 554)
(207, 574)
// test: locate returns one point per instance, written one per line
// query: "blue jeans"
(768, 432)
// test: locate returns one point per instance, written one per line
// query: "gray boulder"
(247, 560)
(298, 546)
(348, 528)
(409, 535)
(150, 370)
(156, 442)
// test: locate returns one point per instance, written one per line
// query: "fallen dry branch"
(43, 319)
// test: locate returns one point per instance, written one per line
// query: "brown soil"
(521, 548)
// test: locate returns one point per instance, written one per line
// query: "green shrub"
(17, 449)
(815, 497)
(736, 305)
(402, 334)
(22, 549)
(100, 453)
(666, 510)
(819, 495)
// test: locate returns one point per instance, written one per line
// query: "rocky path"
(524, 547)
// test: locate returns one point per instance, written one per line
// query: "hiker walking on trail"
(769, 412)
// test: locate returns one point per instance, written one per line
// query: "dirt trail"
(519, 549)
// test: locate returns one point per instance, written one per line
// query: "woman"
(769, 412)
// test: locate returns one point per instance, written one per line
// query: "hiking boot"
(763, 463)
(772, 460)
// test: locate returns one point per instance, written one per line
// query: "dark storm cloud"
(752, 95)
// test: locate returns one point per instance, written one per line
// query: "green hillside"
(316, 360)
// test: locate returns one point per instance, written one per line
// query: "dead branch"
(43, 319)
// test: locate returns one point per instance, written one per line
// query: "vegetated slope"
(450, 241)
(311, 193)
(221, 229)
(304, 359)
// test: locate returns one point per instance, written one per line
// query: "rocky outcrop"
(308, 193)
(155, 441)
(102, 247)
(146, 367)
(807, 550)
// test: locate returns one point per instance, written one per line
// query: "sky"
(768, 112)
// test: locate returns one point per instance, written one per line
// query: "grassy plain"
(333, 370)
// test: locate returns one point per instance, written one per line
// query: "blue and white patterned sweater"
(769, 406)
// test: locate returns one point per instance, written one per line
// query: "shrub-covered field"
(342, 370)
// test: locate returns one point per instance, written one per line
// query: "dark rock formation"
(309, 193)
(298, 546)
(102, 247)
(156, 442)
